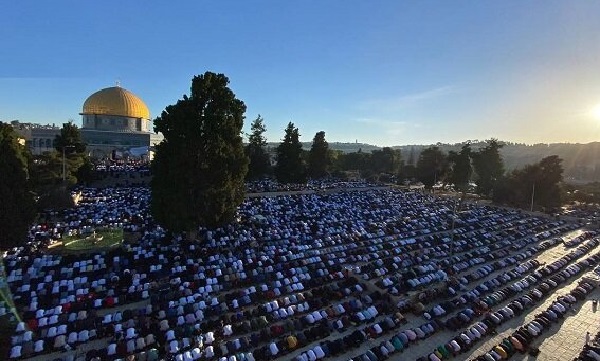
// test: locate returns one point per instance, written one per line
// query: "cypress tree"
(260, 164)
(199, 167)
(319, 158)
(290, 165)
(17, 208)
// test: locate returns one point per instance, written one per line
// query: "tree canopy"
(432, 166)
(69, 139)
(488, 166)
(290, 164)
(260, 164)
(460, 168)
(536, 185)
(46, 169)
(354, 161)
(199, 167)
(17, 208)
(319, 157)
(385, 160)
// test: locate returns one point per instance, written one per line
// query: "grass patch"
(7, 325)
(106, 239)
(7, 322)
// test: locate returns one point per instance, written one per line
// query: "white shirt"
(273, 348)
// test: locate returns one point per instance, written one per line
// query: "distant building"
(39, 138)
(114, 119)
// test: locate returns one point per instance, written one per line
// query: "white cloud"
(397, 103)
(381, 122)
(387, 127)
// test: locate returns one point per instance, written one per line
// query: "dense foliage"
(200, 166)
(17, 208)
(460, 168)
(260, 164)
(535, 186)
(290, 163)
(319, 157)
(385, 160)
(583, 193)
(489, 166)
(432, 166)
(69, 139)
(46, 169)
(355, 161)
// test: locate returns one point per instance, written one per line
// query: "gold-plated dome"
(116, 101)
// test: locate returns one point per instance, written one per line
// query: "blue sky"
(383, 72)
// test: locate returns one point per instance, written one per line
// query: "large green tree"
(199, 167)
(354, 161)
(547, 187)
(535, 185)
(432, 166)
(45, 174)
(488, 165)
(17, 206)
(290, 164)
(260, 163)
(46, 169)
(69, 139)
(385, 160)
(461, 168)
(319, 157)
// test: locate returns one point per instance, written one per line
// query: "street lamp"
(457, 205)
(532, 195)
(64, 163)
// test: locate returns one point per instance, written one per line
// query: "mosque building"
(113, 120)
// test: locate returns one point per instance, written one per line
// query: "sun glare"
(595, 112)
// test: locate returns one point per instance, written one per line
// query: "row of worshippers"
(130, 260)
(544, 286)
(521, 339)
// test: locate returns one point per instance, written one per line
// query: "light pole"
(64, 163)
(457, 205)
(452, 228)
(532, 195)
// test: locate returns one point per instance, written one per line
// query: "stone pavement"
(575, 338)
(563, 341)
(566, 342)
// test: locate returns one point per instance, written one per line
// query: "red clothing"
(32, 324)
(66, 307)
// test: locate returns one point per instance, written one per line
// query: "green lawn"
(7, 325)
(7, 322)
(110, 238)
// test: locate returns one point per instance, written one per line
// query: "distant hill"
(581, 161)
(344, 147)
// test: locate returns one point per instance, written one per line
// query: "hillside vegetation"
(581, 161)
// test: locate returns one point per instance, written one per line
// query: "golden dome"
(116, 101)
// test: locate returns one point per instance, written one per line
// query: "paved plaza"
(561, 343)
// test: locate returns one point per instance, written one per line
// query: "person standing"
(587, 338)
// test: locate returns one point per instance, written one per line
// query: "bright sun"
(596, 112)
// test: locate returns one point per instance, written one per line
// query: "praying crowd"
(123, 175)
(268, 185)
(352, 275)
